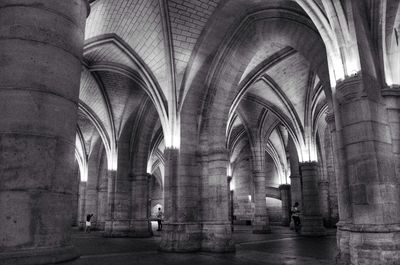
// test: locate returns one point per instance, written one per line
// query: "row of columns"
(37, 141)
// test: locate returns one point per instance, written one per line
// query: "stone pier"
(362, 123)
(286, 204)
(40, 52)
(311, 218)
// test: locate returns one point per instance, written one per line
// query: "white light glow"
(232, 185)
(249, 198)
(113, 160)
(81, 158)
(172, 137)
(148, 168)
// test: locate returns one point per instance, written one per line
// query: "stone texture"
(311, 218)
(286, 204)
(370, 170)
(40, 49)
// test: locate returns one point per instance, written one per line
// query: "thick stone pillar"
(91, 188)
(81, 205)
(286, 204)
(295, 178)
(311, 221)
(216, 227)
(120, 193)
(181, 227)
(261, 221)
(330, 161)
(295, 192)
(342, 185)
(119, 200)
(370, 169)
(108, 226)
(230, 201)
(140, 222)
(40, 49)
(323, 188)
(102, 200)
(75, 197)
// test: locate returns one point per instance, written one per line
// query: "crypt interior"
(222, 113)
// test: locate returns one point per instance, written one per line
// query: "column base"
(342, 241)
(370, 245)
(181, 237)
(260, 224)
(261, 229)
(62, 255)
(312, 226)
(140, 229)
(116, 228)
(217, 237)
(127, 228)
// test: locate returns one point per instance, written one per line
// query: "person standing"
(88, 222)
(159, 219)
(296, 216)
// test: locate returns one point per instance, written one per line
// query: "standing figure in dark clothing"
(159, 219)
(296, 217)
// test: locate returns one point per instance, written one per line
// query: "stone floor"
(282, 246)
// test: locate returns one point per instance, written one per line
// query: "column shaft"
(374, 234)
(342, 184)
(217, 231)
(286, 205)
(40, 49)
(261, 221)
(140, 224)
(181, 228)
(311, 221)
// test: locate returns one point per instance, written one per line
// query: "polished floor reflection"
(282, 246)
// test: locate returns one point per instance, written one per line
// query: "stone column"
(323, 188)
(140, 224)
(91, 187)
(102, 201)
(217, 231)
(40, 49)
(230, 201)
(311, 219)
(295, 192)
(81, 205)
(75, 198)
(261, 220)
(362, 121)
(286, 204)
(295, 178)
(342, 184)
(120, 191)
(108, 226)
(181, 228)
(331, 172)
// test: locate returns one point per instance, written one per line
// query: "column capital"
(391, 91)
(284, 187)
(330, 117)
(308, 164)
(349, 88)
